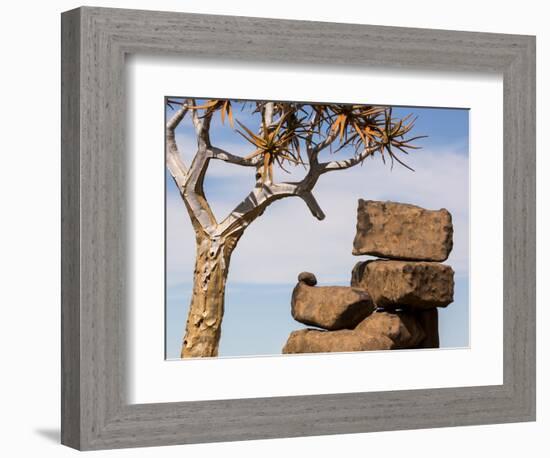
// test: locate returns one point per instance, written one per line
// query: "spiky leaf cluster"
(289, 127)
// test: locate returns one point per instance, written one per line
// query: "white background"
(29, 186)
(155, 380)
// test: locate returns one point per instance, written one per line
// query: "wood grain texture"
(94, 202)
(70, 229)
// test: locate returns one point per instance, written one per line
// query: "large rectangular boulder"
(414, 285)
(330, 307)
(402, 231)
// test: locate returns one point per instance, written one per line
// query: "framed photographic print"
(307, 141)
(295, 229)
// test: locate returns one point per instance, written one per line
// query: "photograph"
(300, 227)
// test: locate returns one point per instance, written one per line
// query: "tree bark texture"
(203, 328)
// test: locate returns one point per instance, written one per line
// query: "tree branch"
(312, 156)
(312, 204)
(193, 188)
(174, 162)
(347, 163)
(268, 114)
(218, 153)
(329, 139)
(260, 198)
(254, 204)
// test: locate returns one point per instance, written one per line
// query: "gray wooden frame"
(95, 414)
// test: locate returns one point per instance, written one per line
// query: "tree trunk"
(203, 329)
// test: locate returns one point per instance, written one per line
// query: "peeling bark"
(203, 328)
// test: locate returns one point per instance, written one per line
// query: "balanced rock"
(317, 341)
(402, 328)
(402, 231)
(308, 278)
(330, 307)
(417, 285)
(428, 320)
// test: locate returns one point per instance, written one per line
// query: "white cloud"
(287, 239)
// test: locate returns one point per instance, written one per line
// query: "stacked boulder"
(392, 301)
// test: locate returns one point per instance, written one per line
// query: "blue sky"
(257, 317)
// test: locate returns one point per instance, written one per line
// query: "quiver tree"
(289, 134)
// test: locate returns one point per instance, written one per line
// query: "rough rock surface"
(417, 285)
(308, 278)
(402, 231)
(428, 320)
(330, 307)
(316, 341)
(380, 331)
(402, 328)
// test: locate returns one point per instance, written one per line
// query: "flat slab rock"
(330, 307)
(402, 231)
(380, 331)
(416, 285)
(317, 341)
